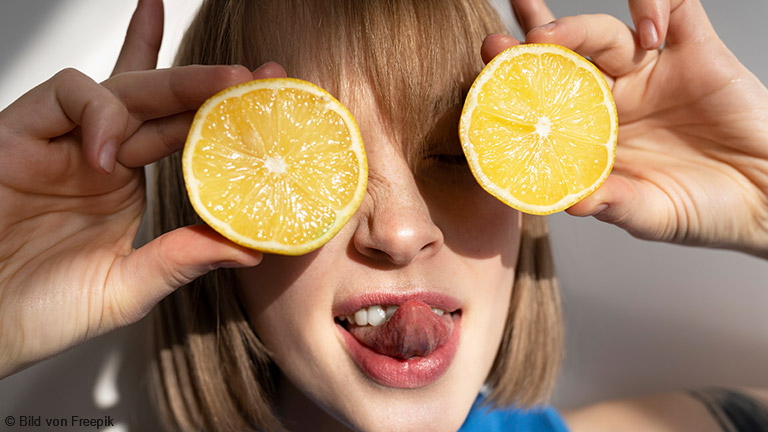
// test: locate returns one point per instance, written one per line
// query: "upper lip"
(350, 305)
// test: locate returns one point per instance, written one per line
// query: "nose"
(396, 228)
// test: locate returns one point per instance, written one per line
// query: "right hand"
(72, 194)
(692, 158)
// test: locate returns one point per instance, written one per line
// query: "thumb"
(642, 211)
(172, 260)
(495, 43)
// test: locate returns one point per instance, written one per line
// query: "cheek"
(276, 299)
(473, 222)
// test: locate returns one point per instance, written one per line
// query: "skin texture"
(693, 124)
(692, 153)
(74, 198)
(410, 233)
(672, 412)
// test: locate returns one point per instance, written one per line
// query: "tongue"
(414, 330)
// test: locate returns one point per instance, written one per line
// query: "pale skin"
(693, 123)
(83, 198)
(73, 201)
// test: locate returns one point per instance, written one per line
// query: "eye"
(448, 158)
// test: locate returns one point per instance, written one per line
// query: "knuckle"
(169, 138)
(175, 275)
(70, 74)
(67, 73)
(108, 109)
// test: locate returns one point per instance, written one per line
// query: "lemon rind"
(342, 216)
(472, 156)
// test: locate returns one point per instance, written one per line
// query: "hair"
(210, 369)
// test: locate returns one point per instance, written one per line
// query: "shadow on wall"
(645, 317)
(106, 378)
(21, 21)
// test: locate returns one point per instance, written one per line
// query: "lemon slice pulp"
(539, 128)
(276, 165)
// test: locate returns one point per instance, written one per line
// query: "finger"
(688, 23)
(158, 138)
(531, 13)
(67, 100)
(495, 43)
(607, 41)
(142, 39)
(159, 93)
(269, 70)
(170, 261)
(634, 207)
(155, 140)
(651, 18)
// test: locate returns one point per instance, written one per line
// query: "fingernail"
(649, 37)
(599, 209)
(250, 262)
(107, 156)
(265, 66)
(546, 27)
(249, 259)
(509, 40)
(269, 69)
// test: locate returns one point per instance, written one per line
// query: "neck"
(299, 413)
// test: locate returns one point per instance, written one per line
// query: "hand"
(692, 159)
(72, 194)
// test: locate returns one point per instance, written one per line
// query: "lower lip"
(412, 373)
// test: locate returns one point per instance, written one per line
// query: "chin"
(357, 400)
(437, 407)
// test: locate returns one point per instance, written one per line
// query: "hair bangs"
(414, 61)
(417, 61)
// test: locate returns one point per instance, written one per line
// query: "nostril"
(395, 225)
(398, 244)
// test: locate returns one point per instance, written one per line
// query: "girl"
(266, 343)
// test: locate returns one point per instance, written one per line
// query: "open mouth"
(375, 315)
(406, 345)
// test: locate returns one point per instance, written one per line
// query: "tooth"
(391, 311)
(438, 311)
(351, 319)
(361, 317)
(376, 315)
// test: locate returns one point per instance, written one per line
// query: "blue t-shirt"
(486, 419)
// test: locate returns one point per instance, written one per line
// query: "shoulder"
(512, 419)
(705, 410)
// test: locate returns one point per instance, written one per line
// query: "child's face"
(433, 235)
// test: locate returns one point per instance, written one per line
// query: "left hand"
(72, 197)
(692, 158)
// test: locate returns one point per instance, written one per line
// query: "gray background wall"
(641, 317)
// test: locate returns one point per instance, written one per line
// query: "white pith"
(376, 315)
(275, 165)
(543, 127)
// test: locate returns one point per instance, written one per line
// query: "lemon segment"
(539, 128)
(276, 165)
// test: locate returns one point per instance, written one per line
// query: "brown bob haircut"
(419, 59)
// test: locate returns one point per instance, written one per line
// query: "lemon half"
(276, 165)
(539, 128)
